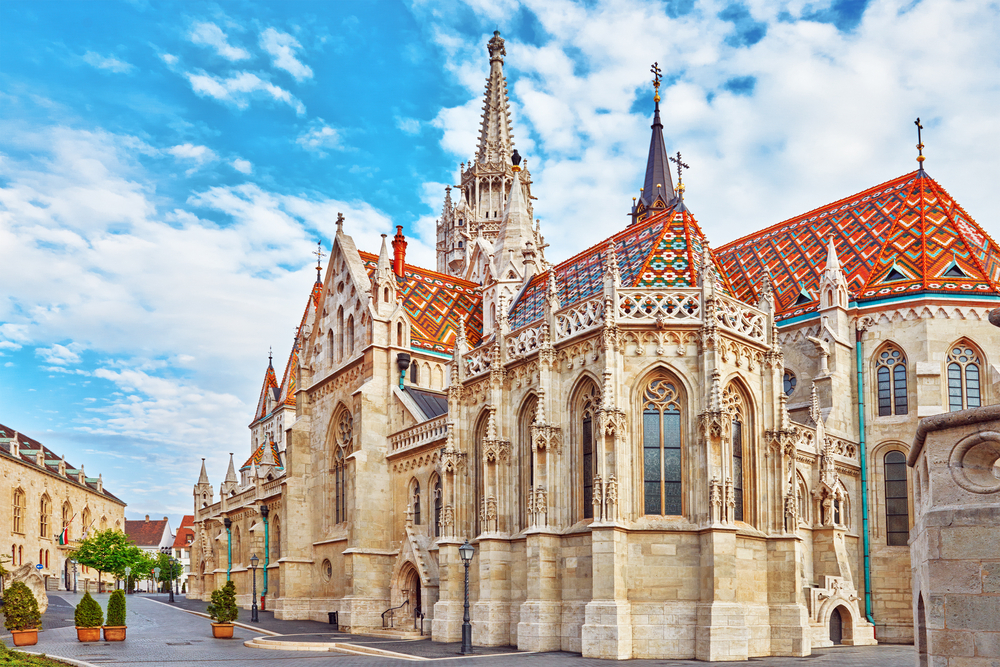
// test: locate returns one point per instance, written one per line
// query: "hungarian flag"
(64, 536)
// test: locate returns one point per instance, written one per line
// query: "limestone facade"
(42, 496)
(955, 462)
(650, 460)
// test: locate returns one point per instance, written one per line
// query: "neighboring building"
(153, 537)
(182, 548)
(44, 496)
(656, 449)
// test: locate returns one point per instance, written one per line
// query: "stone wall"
(955, 543)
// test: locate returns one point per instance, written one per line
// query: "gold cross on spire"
(920, 144)
(657, 73)
(680, 175)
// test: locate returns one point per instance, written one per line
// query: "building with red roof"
(657, 448)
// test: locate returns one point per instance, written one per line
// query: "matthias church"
(659, 447)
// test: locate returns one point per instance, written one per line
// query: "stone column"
(446, 625)
(491, 614)
(607, 628)
(539, 628)
(789, 618)
(721, 632)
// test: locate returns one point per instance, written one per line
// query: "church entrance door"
(836, 627)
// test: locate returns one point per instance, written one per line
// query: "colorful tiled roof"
(663, 250)
(258, 455)
(270, 384)
(900, 237)
(435, 303)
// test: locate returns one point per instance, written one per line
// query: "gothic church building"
(659, 449)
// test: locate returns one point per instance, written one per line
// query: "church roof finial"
(920, 145)
(231, 473)
(202, 478)
(832, 261)
(495, 136)
(657, 186)
(319, 257)
(680, 175)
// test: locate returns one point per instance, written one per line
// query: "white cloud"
(109, 63)
(240, 88)
(408, 125)
(169, 58)
(199, 155)
(61, 354)
(209, 34)
(319, 138)
(242, 166)
(282, 47)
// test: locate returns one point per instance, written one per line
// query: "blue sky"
(166, 168)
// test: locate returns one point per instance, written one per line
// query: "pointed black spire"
(658, 185)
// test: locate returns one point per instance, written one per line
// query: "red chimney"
(398, 251)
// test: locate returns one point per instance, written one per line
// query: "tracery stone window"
(736, 406)
(19, 511)
(45, 509)
(789, 381)
(661, 447)
(590, 403)
(964, 367)
(890, 372)
(897, 511)
(342, 447)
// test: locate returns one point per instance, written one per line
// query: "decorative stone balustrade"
(478, 360)
(740, 318)
(522, 342)
(644, 306)
(421, 434)
(579, 318)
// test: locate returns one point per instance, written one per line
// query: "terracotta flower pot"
(25, 637)
(222, 630)
(114, 633)
(88, 634)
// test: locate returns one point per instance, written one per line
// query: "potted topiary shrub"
(114, 631)
(223, 611)
(21, 617)
(89, 618)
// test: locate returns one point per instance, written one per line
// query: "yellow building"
(47, 499)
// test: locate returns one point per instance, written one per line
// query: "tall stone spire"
(203, 477)
(516, 230)
(658, 187)
(495, 137)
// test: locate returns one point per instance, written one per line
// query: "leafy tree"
(116, 608)
(106, 551)
(88, 613)
(223, 608)
(169, 568)
(20, 608)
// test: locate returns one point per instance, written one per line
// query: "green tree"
(169, 568)
(20, 608)
(106, 551)
(88, 613)
(116, 609)
(223, 608)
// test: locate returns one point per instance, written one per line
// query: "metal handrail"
(419, 615)
(392, 613)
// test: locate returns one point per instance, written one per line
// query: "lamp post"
(156, 578)
(253, 604)
(128, 573)
(466, 551)
(73, 560)
(173, 572)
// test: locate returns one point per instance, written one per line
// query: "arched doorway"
(411, 592)
(921, 632)
(836, 627)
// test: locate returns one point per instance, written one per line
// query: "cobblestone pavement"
(161, 635)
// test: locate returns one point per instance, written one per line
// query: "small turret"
(202, 490)
(230, 484)
(384, 283)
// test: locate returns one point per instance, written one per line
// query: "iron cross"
(655, 69)
(680, 166)
(920, 143)
(319, 258)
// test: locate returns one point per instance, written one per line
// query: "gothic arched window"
(345, 438)
(526, 469)
(414, 374)
(890, 371)
(19, 512)
(661, 447)
(964, 367)
(897, 510)
(415, 495)
(45, 509)
(736, 406)
(340, 333)
(350, 335)
(589, 404)
(436, 486)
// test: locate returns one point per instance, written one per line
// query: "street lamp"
(173, 571)
(466, 551)
(73, 560)
(156, 578)
(253, 607)
(128, 573)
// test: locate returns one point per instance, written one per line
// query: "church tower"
(472, 217)
(657, 193)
